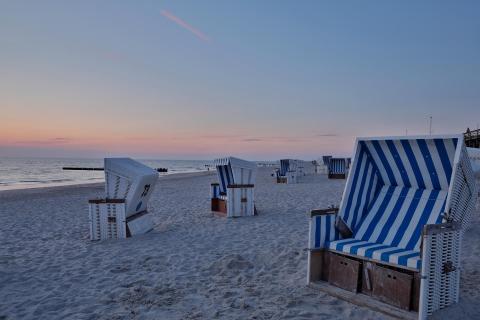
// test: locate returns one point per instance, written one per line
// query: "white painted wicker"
(240, 202)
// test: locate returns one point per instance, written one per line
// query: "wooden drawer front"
(392, 287)
(343, 272)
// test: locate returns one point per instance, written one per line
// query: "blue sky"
(259, 79)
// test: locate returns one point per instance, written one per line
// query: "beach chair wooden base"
(363, 300)
(337, 176)
(390, 290)
(281, 179)
(219, 206)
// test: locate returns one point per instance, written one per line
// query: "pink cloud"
(185, 25)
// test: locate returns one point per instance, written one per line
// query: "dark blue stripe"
(369, 252)
(368, 203)
(427, 212)
(228, 173)
(354, 249)
(403, 260)
(381, 210)
(328, 223)
(428, 160)
(440, 216)
(318, 223)
(340, 246)
(386, 255)
(442, 152)
(222, 178)
(406, 220)
(385, 163)
(413, 163)
(399, 163)
(393, 216)
(455, 140)
(346, 212)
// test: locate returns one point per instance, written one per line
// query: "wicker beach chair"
(288, 172)
(123, 212)
(233, 195)
(337, 168)
(394, 242)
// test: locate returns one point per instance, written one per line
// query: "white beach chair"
(233, 195)
(123, 212)
(394, 243)
(288, 172)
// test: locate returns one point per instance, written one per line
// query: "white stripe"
(412, 262)
(323, 230)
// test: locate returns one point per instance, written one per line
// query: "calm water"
(18, 173)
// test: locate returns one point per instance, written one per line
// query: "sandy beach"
(193, 265)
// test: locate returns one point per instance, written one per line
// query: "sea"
(22, 173)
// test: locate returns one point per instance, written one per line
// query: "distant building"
(472, 138)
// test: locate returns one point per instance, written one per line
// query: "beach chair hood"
(130, 180)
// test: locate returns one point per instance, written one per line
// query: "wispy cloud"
(51, 141)
(199, 34)
(326, 135)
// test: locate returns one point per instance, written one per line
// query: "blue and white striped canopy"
(232, 170)
(395, 187)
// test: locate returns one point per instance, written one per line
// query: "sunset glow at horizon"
(191, 80)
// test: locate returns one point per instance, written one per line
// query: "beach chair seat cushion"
(378, 252)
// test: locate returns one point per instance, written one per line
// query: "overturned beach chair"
(394, 242)
(123, 212)
(233, 195)
(288, 171)
(337, 168)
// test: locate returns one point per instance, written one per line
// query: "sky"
(255, 79)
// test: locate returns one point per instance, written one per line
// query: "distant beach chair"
(288, 171)
(397, 234)
(337, 168)
(123, 212)
(233, 195)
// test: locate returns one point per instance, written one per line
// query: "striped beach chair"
(233, 195)
(288, 171)
(397, 234)
(123, 212)
(337, 168)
